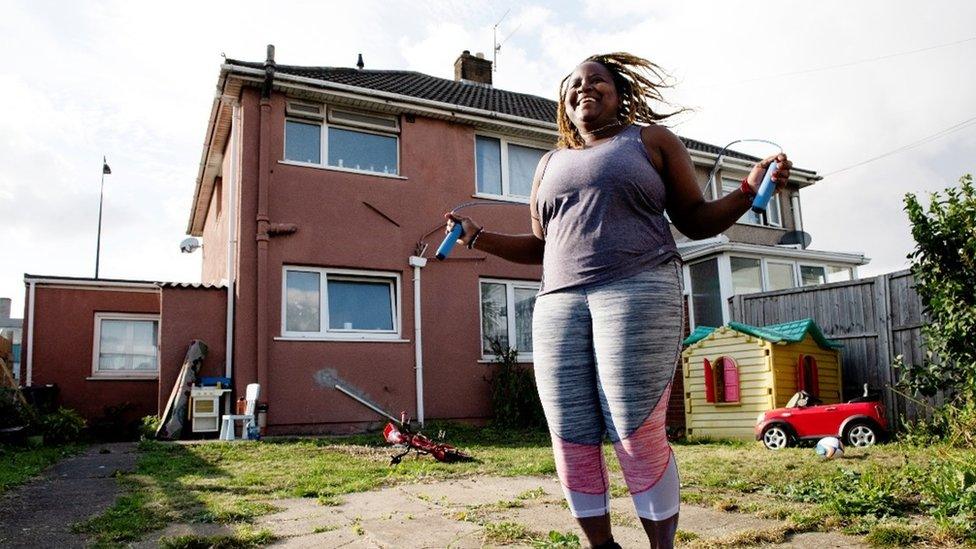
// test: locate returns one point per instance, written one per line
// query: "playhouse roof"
(787, 332)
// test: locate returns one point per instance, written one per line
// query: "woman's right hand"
(468, 226)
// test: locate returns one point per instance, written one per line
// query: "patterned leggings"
(604, 360)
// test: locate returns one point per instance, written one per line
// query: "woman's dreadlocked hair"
(638, 82)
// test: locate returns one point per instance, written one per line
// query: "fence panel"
(876, 319)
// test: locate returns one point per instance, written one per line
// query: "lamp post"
(98, 245)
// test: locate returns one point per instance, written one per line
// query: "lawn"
(19, 464)
(892, 494)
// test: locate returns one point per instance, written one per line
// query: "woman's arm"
(521, 248)
(689, 211)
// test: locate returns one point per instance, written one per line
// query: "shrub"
(148, 427)
(63, 426)
(514, 397)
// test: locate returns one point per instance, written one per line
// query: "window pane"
(494, 316)
(780, 276)
(772, 212)
(302, 302)
(488, 165)
(362, 151)
(360, 305)
(127, 345)
(812, 275)
(730, 185)
(522, 162)
(524, 305)
(706, 294)
(838, 274)
(303, 142)
(746, 276)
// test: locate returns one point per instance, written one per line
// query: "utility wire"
(842, 65)
(937, 135)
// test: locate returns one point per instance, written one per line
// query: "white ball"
(830, 448)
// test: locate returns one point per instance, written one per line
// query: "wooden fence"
(876, 319)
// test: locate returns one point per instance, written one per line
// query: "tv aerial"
(496, 45)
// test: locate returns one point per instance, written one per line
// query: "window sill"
(520, 360)
(362, 339)
(780, 227)
(501, 198)
(344, 170)
(726, 404)
(153, 377)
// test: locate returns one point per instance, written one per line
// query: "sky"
(834, 82)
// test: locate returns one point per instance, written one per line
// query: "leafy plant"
(63, 426)
(148, 427)
(944, 267)
(514, 397)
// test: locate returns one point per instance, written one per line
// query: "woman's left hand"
(780, 176)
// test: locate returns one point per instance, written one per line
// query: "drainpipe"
(263, 222)
(235, 148)
(418, 263)
(797, 216)
(30, 334)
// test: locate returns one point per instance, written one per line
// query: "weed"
(532, 494)
(324, 529)
(891, 535)
(504, 532)
(684, 536)
(557, 540)
(243, 539)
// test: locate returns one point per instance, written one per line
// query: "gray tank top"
(602, 213)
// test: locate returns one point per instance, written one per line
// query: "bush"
(514, 397)
(11, 413)
(148, 427)
(63, 426)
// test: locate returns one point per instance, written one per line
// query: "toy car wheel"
(861, 434)
(776, 437)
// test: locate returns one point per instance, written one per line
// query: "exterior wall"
(337, 229)
(727, 420)
(785, 358)
(215, 232)
(188, 314)
(63, 345)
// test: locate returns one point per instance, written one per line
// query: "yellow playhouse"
(733, 373)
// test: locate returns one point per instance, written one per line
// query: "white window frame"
(510, 286)
(762, 271)
(326, 333)
(96, 344)
(799, 273)
(790, 264)
(324, 122)
(764, 216)
(504, 141)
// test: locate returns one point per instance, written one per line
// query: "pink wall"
(188, 314)
(63, 344)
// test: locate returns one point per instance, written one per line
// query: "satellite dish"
(190, 245)
(793, 238)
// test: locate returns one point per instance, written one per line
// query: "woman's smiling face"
(591, 96)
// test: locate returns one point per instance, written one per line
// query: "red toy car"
(859, 422)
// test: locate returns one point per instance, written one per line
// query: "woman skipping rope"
(607, 324)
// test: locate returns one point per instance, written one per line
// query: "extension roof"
(787, 332)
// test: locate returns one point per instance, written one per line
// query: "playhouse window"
(722, 380)
(806, 375)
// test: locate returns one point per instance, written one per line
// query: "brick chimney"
(472, 69)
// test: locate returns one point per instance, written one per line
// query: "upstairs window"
(346, 139)
(503, 168)
(772, 216)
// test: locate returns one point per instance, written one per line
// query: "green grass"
(21, 464)
(889, 493)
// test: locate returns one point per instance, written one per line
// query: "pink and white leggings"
(604, 359)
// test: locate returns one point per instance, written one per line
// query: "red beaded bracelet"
(747, 189)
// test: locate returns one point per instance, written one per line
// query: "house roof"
(786, 332)
(116, 282)
(464, 94)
